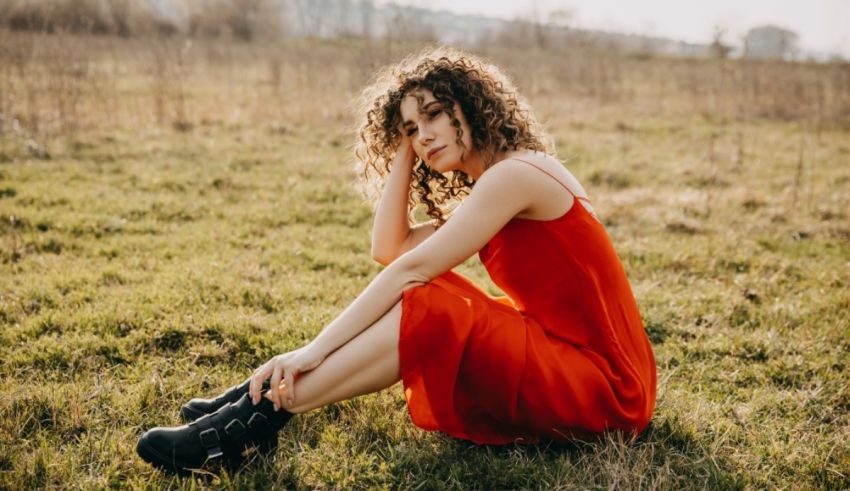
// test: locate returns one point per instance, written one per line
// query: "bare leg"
(367, 363)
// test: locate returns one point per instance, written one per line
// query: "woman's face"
(432, 135)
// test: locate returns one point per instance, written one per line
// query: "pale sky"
(823, 25)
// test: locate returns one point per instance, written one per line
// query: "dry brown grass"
(58, 83)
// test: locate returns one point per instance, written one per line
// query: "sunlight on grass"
(146, 265)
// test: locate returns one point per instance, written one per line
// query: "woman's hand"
(405, 153)
(284, 366)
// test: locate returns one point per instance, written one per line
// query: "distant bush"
(113, 17)
(240, 19)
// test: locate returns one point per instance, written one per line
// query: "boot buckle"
(210, 440)
(258, 420)
(235, 429)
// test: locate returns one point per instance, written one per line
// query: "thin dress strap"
(589, 208)
(555, 178)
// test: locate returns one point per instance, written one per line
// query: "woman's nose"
(425, 134)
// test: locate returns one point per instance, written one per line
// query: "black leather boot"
(219, 437)
(196, 408)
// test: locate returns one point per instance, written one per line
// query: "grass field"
(145, 263)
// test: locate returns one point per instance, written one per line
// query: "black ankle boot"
(218, 437)
(196, 408)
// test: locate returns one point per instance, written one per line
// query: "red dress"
(563, 356)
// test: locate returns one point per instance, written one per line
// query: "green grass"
(142, 268)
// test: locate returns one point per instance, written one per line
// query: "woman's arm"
(391, 228)
(499, 195)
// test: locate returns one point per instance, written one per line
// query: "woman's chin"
(443, 168)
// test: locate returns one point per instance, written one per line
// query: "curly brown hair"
(498, 118)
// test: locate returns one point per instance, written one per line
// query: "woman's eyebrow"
(424, 108)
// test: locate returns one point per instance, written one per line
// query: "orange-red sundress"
(563, 356)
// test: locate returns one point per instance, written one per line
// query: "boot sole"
(156, 459)
(150, 455)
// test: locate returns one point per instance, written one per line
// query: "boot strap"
(212, 430)
(244, 435)
(235, 430)
(226, 430)
(227, 424)
(258, 421)
(211, 442)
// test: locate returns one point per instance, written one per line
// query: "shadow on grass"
(666, 455)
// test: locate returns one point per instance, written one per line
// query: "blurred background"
(72, 64)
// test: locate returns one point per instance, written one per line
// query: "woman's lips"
(435, 151)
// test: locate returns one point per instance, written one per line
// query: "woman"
(564, 355)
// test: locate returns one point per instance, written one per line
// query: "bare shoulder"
(547, 163)
(507, 179)
(543, 178)
(504, 171)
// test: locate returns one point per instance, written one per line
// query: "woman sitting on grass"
(564, 355)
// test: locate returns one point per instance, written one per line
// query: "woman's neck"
(475, 167)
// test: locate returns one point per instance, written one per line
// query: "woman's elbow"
(381, 258)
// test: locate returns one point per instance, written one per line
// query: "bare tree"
(242, 19)
(367, 8)
(309, 15)
(719, 48)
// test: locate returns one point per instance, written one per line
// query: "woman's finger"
(289, 380)
(256, 384)
(274, 388)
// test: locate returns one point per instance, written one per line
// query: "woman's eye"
(434, 114)
(411, 131)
